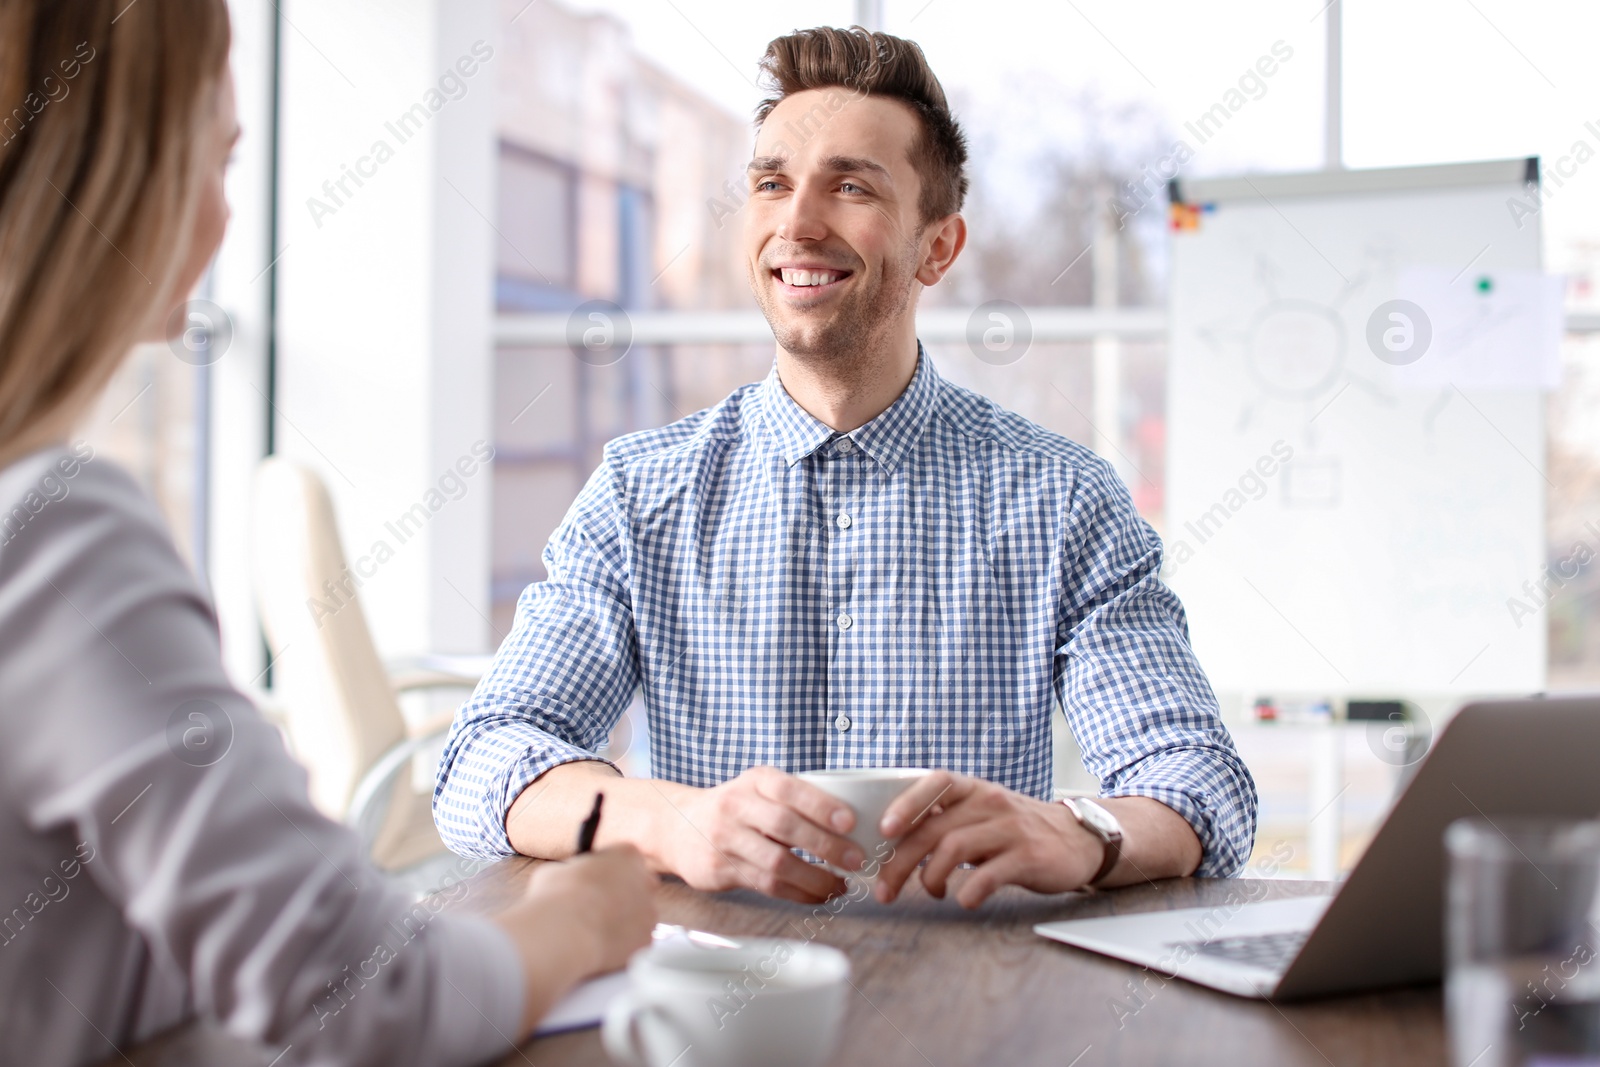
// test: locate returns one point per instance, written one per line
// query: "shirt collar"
(886, 439)
(791, 427)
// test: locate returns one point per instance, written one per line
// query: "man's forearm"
(543, 822)
(737, 835)
(1157, 842)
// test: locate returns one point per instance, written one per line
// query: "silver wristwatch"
(1102, 824)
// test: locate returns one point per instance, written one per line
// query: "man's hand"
(1012, 839)
(734, 836)
(738, 835)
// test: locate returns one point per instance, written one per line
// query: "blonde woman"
(138, 891)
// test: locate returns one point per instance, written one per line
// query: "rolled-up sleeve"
(1134, 694)
(559, 682)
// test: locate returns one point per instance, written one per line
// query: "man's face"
(833, 235)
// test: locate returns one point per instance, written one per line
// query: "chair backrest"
(341, 712)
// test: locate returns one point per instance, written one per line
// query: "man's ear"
(949, 238)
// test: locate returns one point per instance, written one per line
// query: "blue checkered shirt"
(917, 592)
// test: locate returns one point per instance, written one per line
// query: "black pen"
(590, 826)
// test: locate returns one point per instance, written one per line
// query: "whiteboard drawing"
(1336, 314)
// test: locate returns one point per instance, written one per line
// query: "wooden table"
(937, 986)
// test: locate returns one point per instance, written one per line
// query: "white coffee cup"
(869, 791)
(778, 1003)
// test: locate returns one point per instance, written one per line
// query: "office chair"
(336, 701)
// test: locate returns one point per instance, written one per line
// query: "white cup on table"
(869, 791)
(777, 1003)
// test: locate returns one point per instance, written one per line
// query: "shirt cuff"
(544, 753)
(1224, 843)
(482, 778)
(481, 990)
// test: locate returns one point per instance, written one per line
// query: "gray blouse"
(159, 856)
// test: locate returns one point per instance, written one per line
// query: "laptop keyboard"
(1270, 951)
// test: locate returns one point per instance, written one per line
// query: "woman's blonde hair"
(104, 110)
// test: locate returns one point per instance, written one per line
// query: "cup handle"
(620, 1031)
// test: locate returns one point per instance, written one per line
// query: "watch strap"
(1112, 841)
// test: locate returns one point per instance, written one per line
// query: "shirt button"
(842, 723)
(845, 622)
(844, 447)
(843, 520)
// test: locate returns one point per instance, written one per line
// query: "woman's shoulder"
(34, 484)
(31, 484)
(74, 517)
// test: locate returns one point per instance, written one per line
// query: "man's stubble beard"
(852, 341)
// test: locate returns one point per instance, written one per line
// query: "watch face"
(1098, 819)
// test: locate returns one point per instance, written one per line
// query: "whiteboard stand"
(1325, 805)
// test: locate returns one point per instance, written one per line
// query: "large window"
(536, 255)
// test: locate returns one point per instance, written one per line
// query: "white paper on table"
(587, 1004)
(1505, 334)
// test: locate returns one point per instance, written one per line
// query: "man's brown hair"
(877, 64)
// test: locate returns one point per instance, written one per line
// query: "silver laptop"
(1385, 925)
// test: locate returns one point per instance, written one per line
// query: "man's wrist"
(647, 818)
(1079, 854)
(1104, 827)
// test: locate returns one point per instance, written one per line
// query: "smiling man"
(853, 563)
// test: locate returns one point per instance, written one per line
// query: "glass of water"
(1522, 981)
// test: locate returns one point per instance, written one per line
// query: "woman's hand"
(579, 918)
